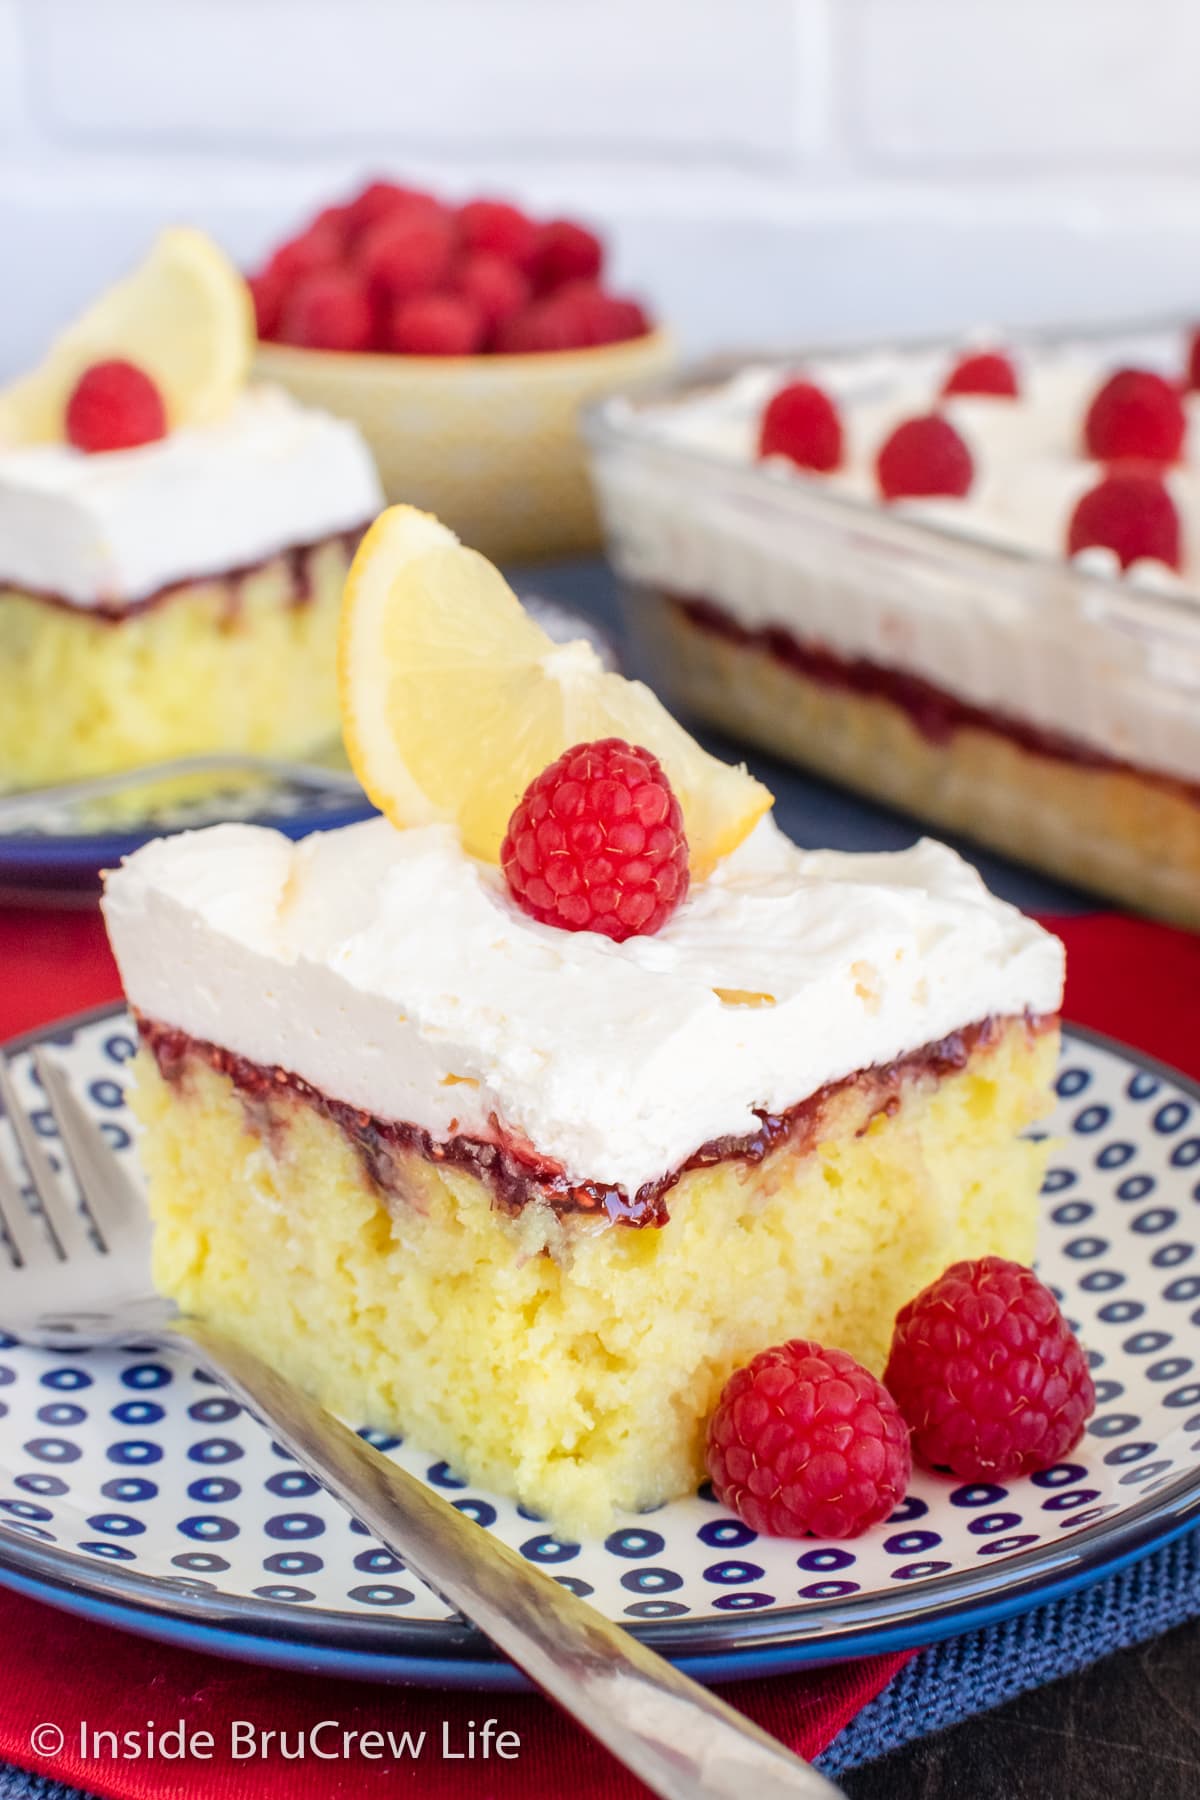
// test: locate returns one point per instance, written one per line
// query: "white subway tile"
(13, 73)
(736, 263)
(561, 76)
(1028, 81)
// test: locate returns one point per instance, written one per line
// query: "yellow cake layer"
(1130, 836)
(216, 665)
(579, 1379)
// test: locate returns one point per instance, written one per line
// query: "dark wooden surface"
(1126, 1729)
(1129, 1727)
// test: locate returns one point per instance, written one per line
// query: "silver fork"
(80, 1282)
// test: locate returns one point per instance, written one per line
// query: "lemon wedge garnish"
(453, 699)
(184, 315)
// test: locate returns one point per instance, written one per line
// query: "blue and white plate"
(134, 1491)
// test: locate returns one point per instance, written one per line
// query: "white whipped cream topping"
(392, 971)
(114, 528)
(1113, 664)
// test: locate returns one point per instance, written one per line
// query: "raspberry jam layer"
(933, 711)
(297, 561)
(516, 1174)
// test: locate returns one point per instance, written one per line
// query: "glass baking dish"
(1045, 709)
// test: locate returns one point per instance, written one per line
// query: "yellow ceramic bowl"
(488, 443)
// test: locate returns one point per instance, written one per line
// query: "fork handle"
(682, 1741)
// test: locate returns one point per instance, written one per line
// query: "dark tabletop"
(1129, 1727)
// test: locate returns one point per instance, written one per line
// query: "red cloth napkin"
(1137, 981)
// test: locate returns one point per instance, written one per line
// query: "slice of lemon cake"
(516, 1120)
(173, 541)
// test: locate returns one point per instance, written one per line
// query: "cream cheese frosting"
(1114, 665)
(393, 972)
(113, 529)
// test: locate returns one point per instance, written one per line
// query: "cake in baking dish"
(529, 1193)
(173, 539)
(965, 586)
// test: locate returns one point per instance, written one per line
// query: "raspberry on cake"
(983, 372)
(801, 422)
(924, 458)
(597, 843)
(1130, 513)
(1136, 416)
(114, 406)
(173, 541)
(532, 1194)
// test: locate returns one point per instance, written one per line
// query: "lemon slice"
(453, 699)
(184, 315)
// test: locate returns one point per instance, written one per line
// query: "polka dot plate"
(133, 1490)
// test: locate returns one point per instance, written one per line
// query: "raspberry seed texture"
(988, 1373)
(805, 1442)
(596, 843)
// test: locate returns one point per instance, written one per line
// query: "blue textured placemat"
(983, 1669)
(967, 1675)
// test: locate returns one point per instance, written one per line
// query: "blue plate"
(60, 864)
(132, 1490)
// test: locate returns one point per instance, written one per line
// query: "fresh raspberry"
(406, 254)
(335, 222)
(496, 226)
(588, 315)
(805, 1442)
(1193, 367)
(539, 326)
(495, 286)
(317, 247)
(267, 290)
(565, 251)
(329, 310)
(983, 372)
(988, 1373)
(384, 200)
(597, 843)
(578, 316)
(801, 422)
(1135, 415)
(923, 458)
(617, 319)
(115, 406)
(436, 325)
(1130, 513)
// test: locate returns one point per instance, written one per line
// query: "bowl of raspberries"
(462, 339)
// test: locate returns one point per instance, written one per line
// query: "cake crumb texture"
(228, 665)
(571, 1368)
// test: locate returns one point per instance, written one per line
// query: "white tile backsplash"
(765, 169)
